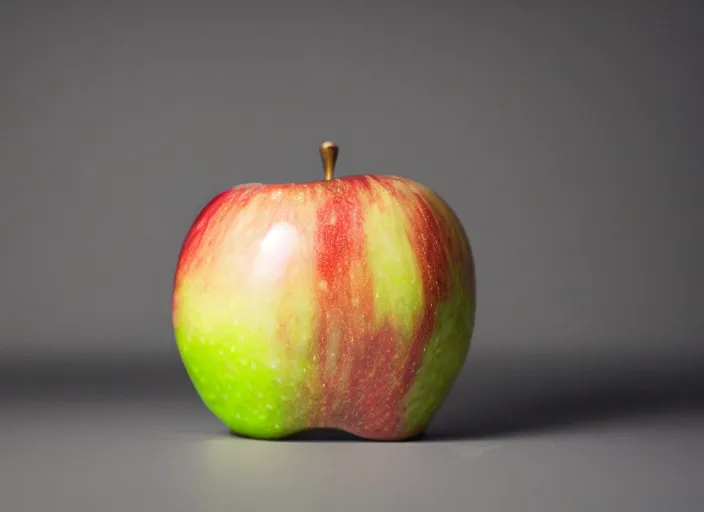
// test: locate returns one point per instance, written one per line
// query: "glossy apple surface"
(347, 303)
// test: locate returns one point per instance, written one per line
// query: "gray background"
(568, 138)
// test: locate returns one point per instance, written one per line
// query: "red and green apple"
(343, 303)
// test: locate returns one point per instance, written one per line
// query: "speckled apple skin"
(345, 304)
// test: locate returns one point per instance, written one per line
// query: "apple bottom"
(325, 432)
(265, 401)
(329, 434)
(274, 414)
(347, 421)
(373, 391)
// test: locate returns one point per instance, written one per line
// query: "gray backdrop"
(568, 138)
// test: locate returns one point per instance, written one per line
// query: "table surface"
(517, 433)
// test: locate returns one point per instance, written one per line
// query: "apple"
(344, 303)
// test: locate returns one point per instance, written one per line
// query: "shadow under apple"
(504, 393)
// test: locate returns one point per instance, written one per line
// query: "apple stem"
(328, 153)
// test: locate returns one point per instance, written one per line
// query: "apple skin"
(345, 304)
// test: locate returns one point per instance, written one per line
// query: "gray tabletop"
(519, 432)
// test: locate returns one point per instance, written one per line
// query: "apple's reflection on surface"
(329, 470)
